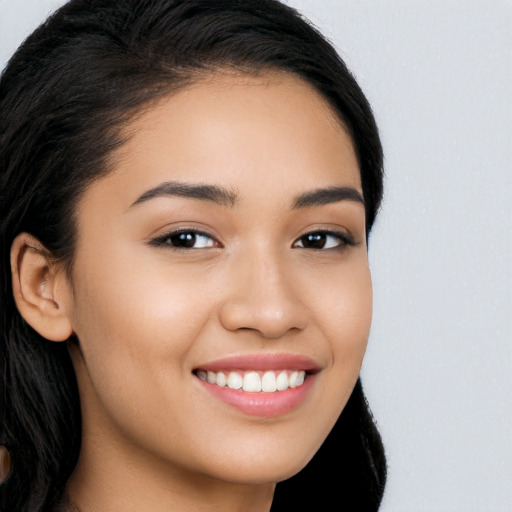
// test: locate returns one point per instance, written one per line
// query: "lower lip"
(266, 405)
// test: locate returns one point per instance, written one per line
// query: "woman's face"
(227, 248)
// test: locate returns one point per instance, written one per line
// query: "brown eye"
(314, 241)
(185, 240)
(322, 240)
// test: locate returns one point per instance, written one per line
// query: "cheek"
(345, 321)
(136, 335)
(130, 318)
(354, 312)
(124, 289)
(344, 306)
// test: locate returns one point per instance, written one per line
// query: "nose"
(264, 297)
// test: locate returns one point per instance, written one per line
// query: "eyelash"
(166, 239)
(322, 236)
(343, 240)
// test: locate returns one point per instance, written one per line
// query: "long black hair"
(64, 97)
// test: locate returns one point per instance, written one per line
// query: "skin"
(146, 316)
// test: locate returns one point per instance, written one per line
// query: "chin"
(260, 470)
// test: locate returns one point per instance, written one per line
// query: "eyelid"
(345, 238)
(160, 240)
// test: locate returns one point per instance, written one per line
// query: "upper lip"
(263, 362)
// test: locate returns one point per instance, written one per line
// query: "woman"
(187, 192)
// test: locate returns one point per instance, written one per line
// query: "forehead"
(273, 129)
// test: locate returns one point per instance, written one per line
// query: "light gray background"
(438, 369)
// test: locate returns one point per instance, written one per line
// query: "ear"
(41, 289)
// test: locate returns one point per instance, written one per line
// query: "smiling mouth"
(270, 381)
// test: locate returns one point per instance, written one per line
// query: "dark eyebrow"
(328, 195)
(214, 193)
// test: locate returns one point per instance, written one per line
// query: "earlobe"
(40, 288)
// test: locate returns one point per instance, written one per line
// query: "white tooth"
(268, 382)
(235, 380)
(252, 382)
(221, 379)
(293, 379)
(282, 381)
